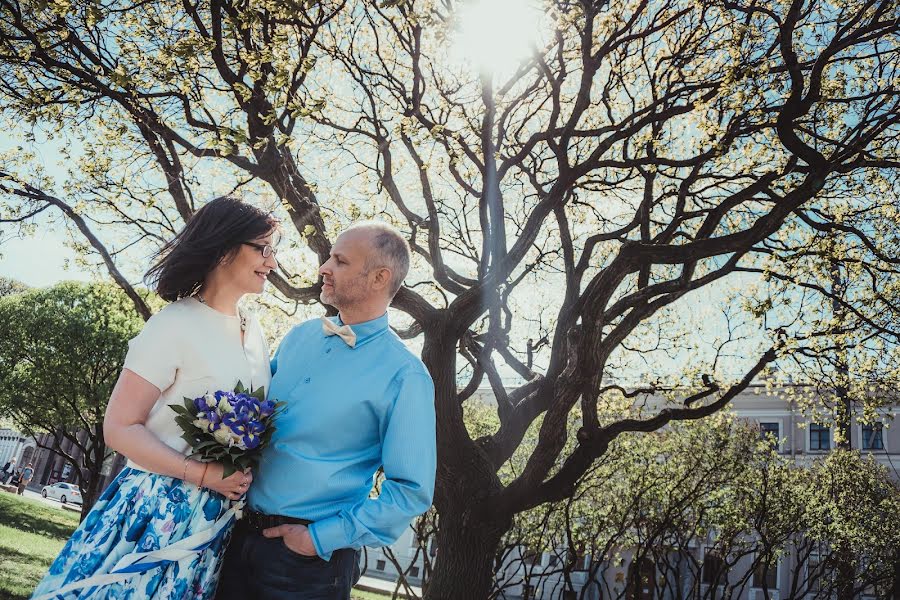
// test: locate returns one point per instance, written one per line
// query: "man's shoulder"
(403, 359)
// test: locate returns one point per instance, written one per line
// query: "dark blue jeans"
(262, 568)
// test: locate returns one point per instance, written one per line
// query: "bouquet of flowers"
(231, 427)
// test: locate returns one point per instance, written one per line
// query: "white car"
(64, 492)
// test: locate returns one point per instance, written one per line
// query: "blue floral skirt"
(148, 536)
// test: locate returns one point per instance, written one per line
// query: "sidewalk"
(374, 584)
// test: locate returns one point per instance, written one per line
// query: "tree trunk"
(468, 536)
(91, 492)
(94, 467)
(464, 565)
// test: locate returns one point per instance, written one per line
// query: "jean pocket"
(297, 555)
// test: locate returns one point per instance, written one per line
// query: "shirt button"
(327, 350)
(307, 380)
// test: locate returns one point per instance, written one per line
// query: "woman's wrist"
(203, 475)
(193, 471)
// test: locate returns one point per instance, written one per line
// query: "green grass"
(31, 535)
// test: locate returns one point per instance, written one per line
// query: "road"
(49, 502)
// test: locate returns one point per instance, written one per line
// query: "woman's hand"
(232, 487)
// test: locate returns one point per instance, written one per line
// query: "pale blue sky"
(42, 258)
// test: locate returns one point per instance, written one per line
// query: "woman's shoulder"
(174, 315)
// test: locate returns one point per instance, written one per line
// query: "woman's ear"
(229, 256)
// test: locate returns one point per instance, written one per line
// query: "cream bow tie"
(344, 332)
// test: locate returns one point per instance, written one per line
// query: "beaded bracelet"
(184, 474)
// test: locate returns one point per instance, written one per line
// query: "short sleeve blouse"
(188, 349)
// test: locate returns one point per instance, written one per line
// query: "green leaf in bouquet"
(228, 470)
(189, 405)
(244, 462)
(239, 388)
(187, 424)
(178, 409)
(259, 393)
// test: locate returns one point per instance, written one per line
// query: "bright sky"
(496, 36)
(41, 259)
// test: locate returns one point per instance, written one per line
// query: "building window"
(872, 437)
(570, 595)
(379, 565)
(814, 573)
(578, 559)
(414, 571)
(771, 431)
(642, 580)
(553, 560)
(532, 557)
(765, 575)
(712, 566)
(819, 437)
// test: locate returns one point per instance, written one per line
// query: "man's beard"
(354, 293)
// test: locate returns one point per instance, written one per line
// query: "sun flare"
(496, 36)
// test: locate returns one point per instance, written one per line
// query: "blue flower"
(176, 494)
(150, 541)
(251, 441)
(214, 420)
(223, 394)
(266, 408)
(204, 403)
(180, 589)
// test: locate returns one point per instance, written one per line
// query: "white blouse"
(188, 349)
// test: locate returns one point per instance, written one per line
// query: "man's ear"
(382, 279)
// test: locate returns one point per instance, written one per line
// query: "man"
(25, 479)
(357, 401)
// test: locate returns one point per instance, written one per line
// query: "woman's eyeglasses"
(266, 250)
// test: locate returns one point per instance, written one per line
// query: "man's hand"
(295, 537)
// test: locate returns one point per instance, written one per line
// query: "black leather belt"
(256, 521)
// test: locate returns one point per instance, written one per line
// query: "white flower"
(223, 436)
(202, 424)
(210, 400)
(224, 406)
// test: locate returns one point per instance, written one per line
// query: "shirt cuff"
(327, 536)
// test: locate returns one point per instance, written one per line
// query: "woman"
(160, 528)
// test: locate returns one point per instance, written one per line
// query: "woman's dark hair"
(215, 231)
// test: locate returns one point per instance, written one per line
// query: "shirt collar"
(367, 330)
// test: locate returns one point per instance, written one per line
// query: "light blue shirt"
(349, 411)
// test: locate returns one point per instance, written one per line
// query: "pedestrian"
(25, 479)
(9, 469)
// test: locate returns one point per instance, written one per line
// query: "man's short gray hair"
(390, 250)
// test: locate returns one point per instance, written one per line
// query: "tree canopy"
(61, 351)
